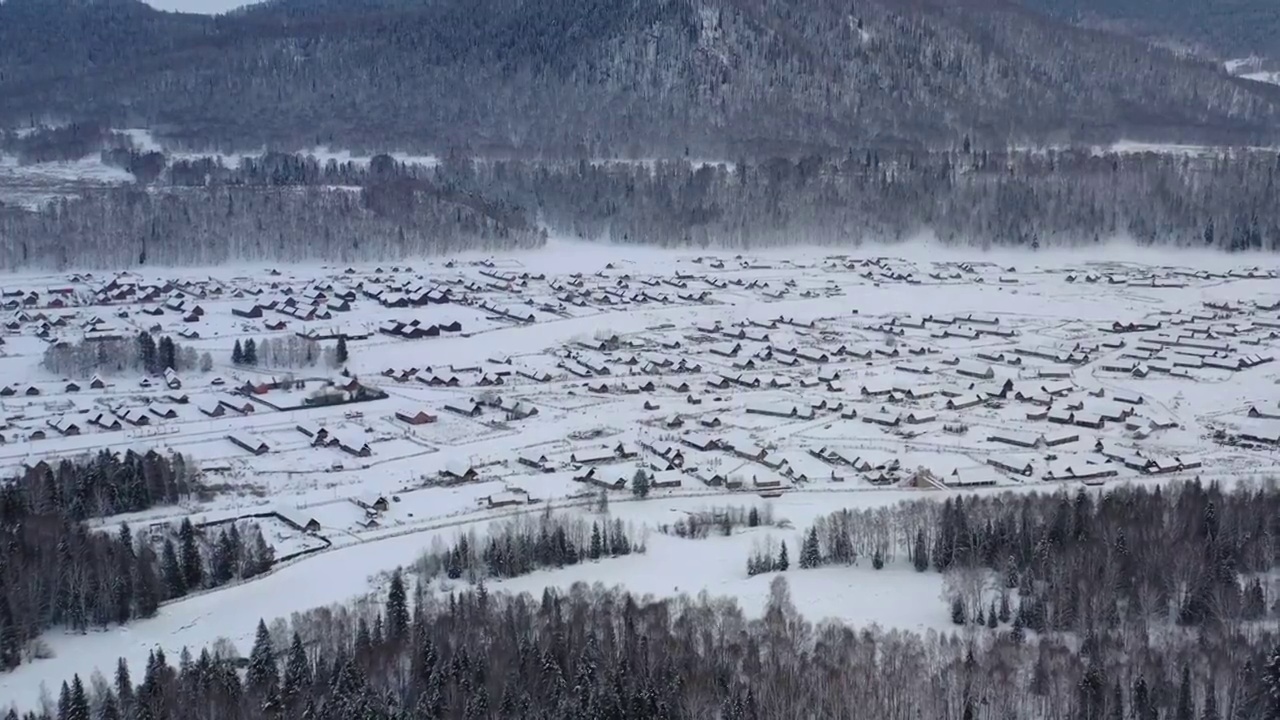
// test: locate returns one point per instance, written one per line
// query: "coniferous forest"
(287, 208)
(57, 570)
(1136, 603)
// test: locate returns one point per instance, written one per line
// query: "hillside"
(602, 78)
(1229, 28)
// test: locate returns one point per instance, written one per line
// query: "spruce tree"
(122, 580)
(10, 642)
(192, 563)
(810, 556)
(175, 581)
(992, 621)
(596, 543)
(920, 553)
(224, 560)
(753, 518)
(1185, 710)
(640, 484)
(340, 354)
(1271, 680)
(1210, 711)
(297, 671)
(262, 676)
(877, 559)
(783, 562)
(79, 707)
(237, 354)
(124, 685)
(250, 352)
(397, 608)
(957, 611)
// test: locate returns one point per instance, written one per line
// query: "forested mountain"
(600, 78)
(1229, 28)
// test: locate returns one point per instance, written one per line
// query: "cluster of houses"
(417, 329)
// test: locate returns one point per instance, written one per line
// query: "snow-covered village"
(303, 431)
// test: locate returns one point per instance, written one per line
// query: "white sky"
(203, 7)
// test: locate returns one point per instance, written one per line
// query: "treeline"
(128, 227)
(592, 653)
(192, 559)
(54, 570)
(700, 524)
(967, 196)
(520, 545)
(57, 572)
(1092, 565)
(104, 484)
(282, 352)
(285, 210)
(145, 353)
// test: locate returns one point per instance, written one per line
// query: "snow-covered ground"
(786, 356)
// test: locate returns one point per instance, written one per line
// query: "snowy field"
(804, 381)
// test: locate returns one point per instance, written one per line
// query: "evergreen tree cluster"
(197, 559)
(521, 545)
(282, 352)
(144, 354)
(1191, 554)
(55, 571)
(765, 559)
(596, 653)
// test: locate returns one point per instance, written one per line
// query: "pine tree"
(250, 352)
(124, 685)
(783, 562)
(147, 586)
(1185, 710)
(122, 580)
(596, 543)
(1271, 680)
(297, 671)
(224, 560)
(397, 608)
(237, 354)
(64, 701)
(810, 556)
(1210, 704)
(175, 581)
(167, 355)
(340, 354)
(10, 642)
(110, 709)
(920, 553)
(79, 707)
(192, 564)
(262, 676)
(640, 484)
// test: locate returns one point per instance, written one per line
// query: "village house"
(415, 416)
(252, 443)
(883, 416)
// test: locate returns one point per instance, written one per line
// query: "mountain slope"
(635, 77)
(1231, 28)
